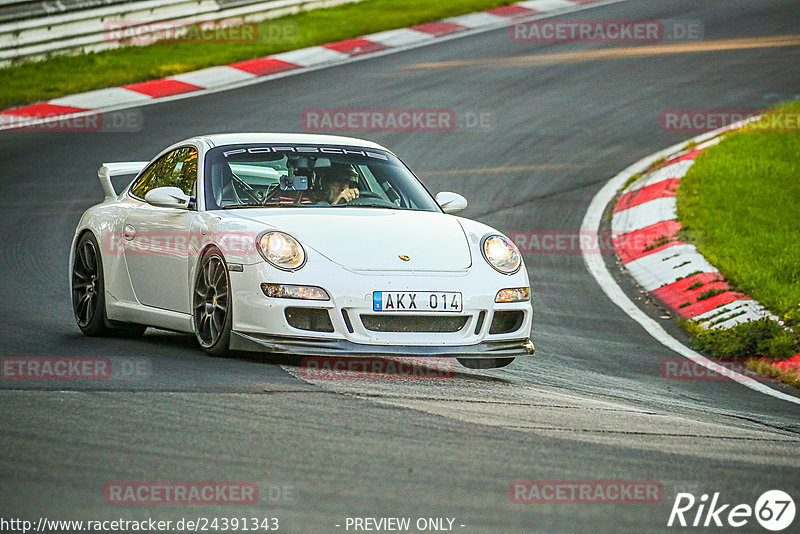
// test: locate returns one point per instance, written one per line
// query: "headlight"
(502, 254)
(281, 250)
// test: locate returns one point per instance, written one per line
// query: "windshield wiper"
(250, 205)
(367, 205)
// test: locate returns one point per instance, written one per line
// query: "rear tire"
(484, 363)
(89, 293)
(212, 310)
(88, 287)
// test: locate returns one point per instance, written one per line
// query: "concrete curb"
(644, 231)
(596, 266)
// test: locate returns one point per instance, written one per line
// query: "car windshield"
(335, 177)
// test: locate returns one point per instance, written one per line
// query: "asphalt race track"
(592, 404)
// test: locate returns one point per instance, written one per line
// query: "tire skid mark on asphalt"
(542, 410)
(617, 53)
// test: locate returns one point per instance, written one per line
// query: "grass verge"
(739, 203)
(62, 75)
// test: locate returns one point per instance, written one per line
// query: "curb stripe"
(399, 37)
(675, 169)
(644, 215)
(633, 245)
(663, 188)
(706, 305)
(164, 87)
(476, 20)
(752, 310)
(677, 293)
(213, 77)
(42, 110)
(551, 5)
(438, 28)
(666, 266)
(307, 57)
(264, 66)
(689, 156)
(792, 363)
(101, 98)
(515, 10)
(356, 47)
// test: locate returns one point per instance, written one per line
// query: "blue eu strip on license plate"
(403, 301)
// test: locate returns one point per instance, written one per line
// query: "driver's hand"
(347, 195)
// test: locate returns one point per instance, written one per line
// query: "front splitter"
(308, 346)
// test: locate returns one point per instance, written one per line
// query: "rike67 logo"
(774, 510)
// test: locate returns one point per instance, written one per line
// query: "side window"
(176, 169)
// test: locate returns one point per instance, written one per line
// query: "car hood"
(366, 239)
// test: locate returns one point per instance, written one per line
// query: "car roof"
(314, 139)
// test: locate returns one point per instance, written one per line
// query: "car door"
(157, 239)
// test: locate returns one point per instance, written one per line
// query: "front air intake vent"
(312, 319)
(414, 323)
(505, 322)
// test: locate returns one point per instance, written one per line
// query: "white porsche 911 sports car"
(310, 245)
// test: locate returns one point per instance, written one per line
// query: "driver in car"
(338, 183)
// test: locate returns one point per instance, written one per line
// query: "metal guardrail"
(87, 30)
(11, 10)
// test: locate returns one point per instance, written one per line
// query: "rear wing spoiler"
(109, 170)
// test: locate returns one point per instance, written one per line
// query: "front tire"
(212, 311)
(484, 363)
(88, 287)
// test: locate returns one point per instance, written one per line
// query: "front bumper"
(312, 346)
(349, 314)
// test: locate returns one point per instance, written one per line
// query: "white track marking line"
(597, 268)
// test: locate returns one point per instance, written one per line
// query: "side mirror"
(451, 202)
(167, 197)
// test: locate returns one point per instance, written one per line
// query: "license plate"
(396, 301)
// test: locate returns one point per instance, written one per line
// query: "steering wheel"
(370, 198)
